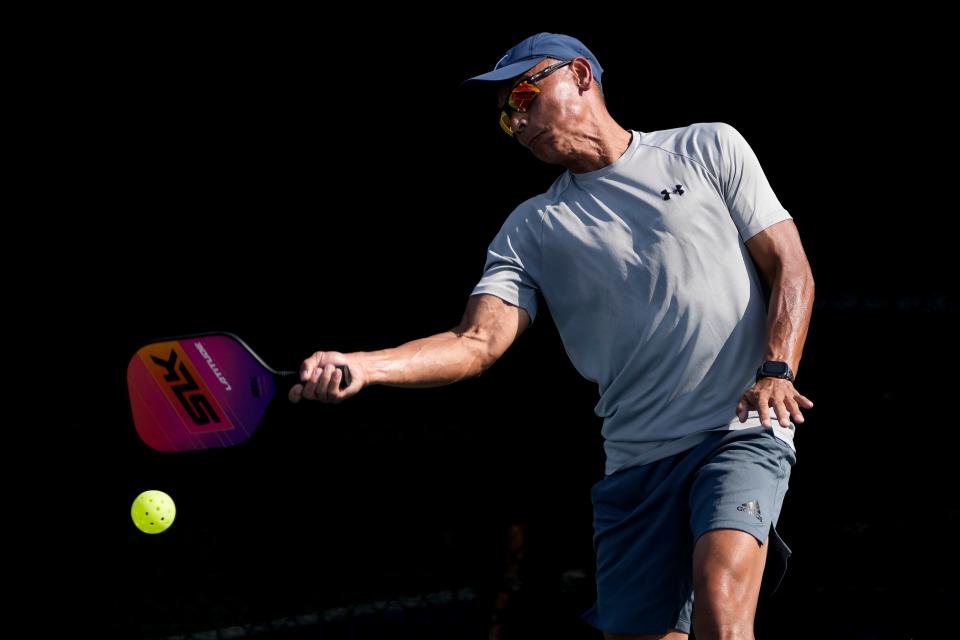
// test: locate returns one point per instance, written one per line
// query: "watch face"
(775, 368)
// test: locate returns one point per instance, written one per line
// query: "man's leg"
(735, 502)
(727, 570)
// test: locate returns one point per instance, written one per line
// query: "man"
(647, 251)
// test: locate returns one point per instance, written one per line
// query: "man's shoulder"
(704, 143)
(692, 136)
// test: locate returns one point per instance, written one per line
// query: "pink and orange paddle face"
(199, 392)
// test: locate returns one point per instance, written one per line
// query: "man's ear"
(581, 67)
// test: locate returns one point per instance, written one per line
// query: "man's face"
(550, 124)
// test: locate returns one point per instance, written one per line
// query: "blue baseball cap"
(533, 50)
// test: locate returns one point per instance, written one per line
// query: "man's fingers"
(763, 408)
(333, 387)
(320, 381)
(307, 368)
(323, 382)
(780, 409)
(310, 366)
(764, 414)
(318, 388)
(795, 403)
(295, 393)
(794, 410)
(320, 378)
(782, 406)
(741, 411)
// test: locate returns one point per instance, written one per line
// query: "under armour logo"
(678, 191)
(751, 507)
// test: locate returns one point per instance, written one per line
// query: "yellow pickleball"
(153, 511)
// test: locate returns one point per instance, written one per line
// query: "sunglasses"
(523, 94)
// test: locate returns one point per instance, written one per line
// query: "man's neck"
(602, 149)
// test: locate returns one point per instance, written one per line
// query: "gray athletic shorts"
(647, 520)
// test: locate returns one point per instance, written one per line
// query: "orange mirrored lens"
(522, 95)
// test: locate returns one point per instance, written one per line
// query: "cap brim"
(507, 72)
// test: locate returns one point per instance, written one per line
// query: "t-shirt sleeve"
(513, 260)
(743, 185)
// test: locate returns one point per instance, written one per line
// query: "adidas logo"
(751, 507)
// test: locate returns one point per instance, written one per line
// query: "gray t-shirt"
(643, 266)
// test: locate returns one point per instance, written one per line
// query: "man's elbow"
(480, 350)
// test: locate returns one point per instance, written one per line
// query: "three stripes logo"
(677, 191)
(751, 507)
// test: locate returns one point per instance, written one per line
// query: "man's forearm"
(440, 359)
(791, 305)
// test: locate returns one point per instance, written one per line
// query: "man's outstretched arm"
(488, 328)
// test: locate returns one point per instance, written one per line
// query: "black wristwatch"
(775, 369)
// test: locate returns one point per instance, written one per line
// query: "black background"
(320, 182)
